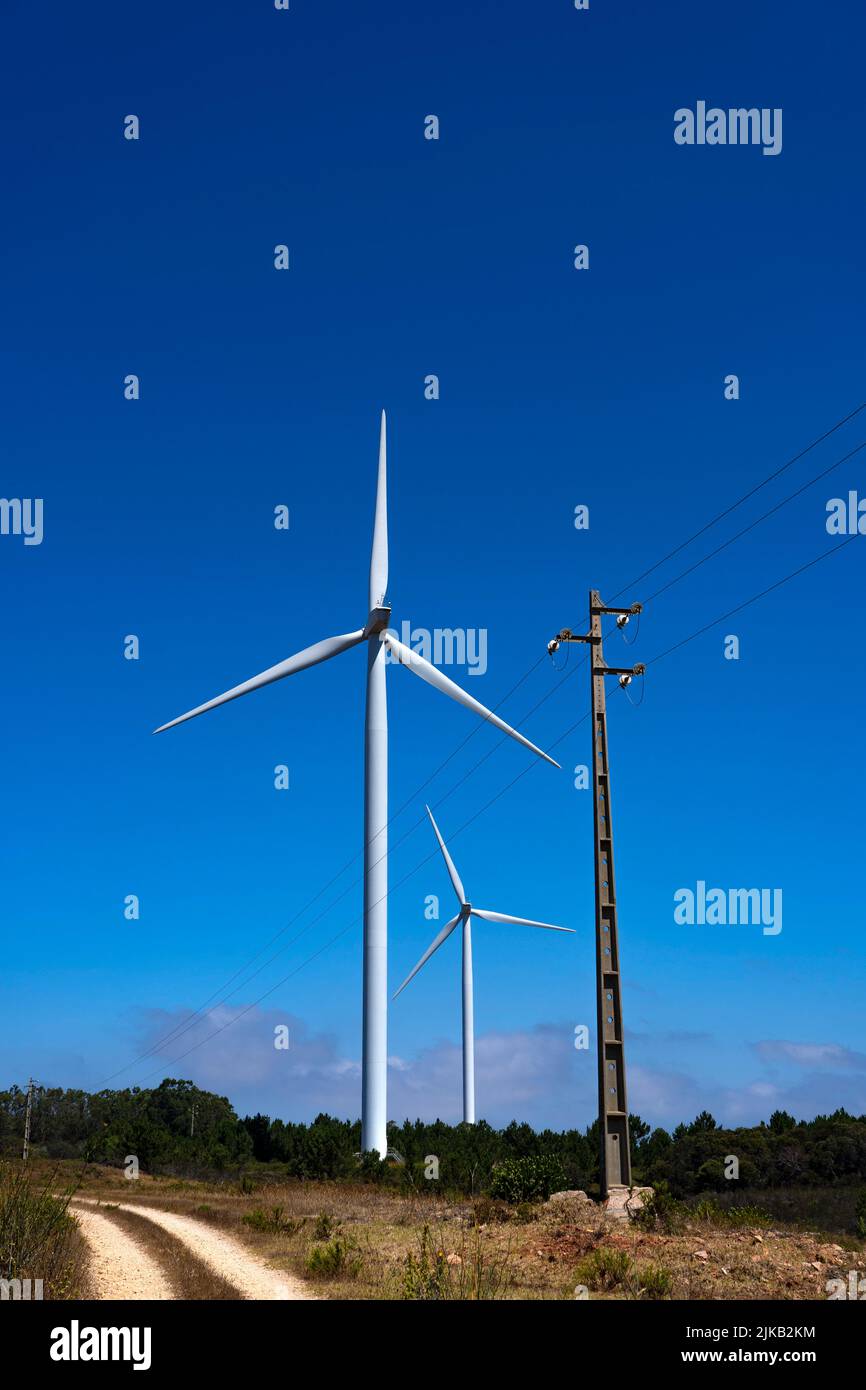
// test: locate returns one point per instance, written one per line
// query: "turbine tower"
(467, 911)
(377, 637)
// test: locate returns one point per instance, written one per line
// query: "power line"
(745, 497)
(754, 599)
(752, 524)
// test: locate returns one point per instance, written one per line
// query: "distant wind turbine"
(466, 912)
(375, 633)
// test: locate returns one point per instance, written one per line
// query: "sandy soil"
(249, 1275)
(118, 1267)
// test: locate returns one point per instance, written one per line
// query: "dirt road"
(114, 1250)
(119, 1268)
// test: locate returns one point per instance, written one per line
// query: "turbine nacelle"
(378, 621)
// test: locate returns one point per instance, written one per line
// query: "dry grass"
(538, 1251)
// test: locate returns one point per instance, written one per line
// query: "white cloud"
(534, 1075)
(821, 1056)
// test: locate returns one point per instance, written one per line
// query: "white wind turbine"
(375, 633)
(466, 912)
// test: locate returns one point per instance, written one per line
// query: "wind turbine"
(377, 637)
(467, 911)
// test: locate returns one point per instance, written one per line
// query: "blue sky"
(557, 388)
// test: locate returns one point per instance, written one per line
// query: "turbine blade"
(379, 554)
(434, 946)
(516, 921)
(310, 656)
(433, 676)
(449, 862)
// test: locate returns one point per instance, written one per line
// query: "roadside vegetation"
(39, 1238)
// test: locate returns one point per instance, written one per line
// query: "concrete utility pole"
(27, 1114)
(192, 1122)
(615, 1158)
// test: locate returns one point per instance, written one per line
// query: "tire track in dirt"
(119, 1268)
(225, 1256)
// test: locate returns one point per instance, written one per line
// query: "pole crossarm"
(637, 670)
(629, 612)
(566, 635)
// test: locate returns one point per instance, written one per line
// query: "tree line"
(172, 1127)
(178, 1128)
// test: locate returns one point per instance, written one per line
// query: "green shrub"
(426, 1276)
(524, 1213)
(324, 1227)
(340, 1258)
(604, 1269)
(487, 1212)
(661, 1211)
(655, 1281)
(608, 1269)
(372, 1168)
(860, 1214)
(746, 1216)
(529, 1179)
(709, 1212)
(273, 1222)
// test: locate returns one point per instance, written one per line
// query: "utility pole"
(192, 1122)
(27, 1114)
(615, 1158)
